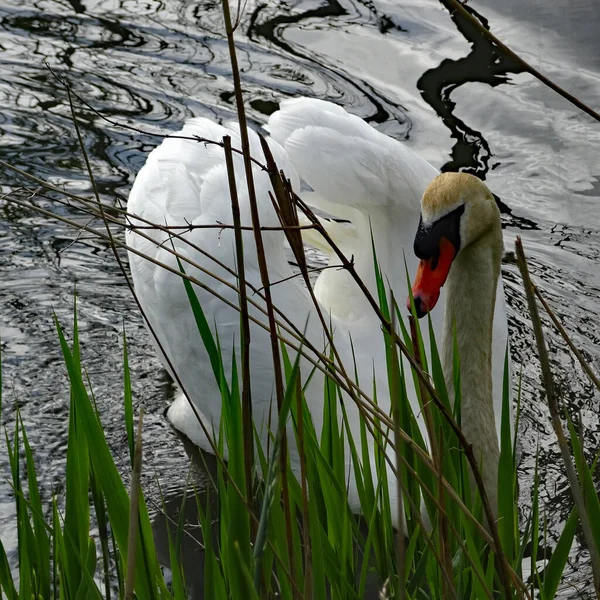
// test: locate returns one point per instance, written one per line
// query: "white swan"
(355, 173)
(459, 242)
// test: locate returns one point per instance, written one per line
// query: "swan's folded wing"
(185, 185)
(298, 113)
(345, 160)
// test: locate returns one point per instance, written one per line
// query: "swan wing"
(347, 162)
(185, 184)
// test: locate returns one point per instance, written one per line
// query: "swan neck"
(470, 303)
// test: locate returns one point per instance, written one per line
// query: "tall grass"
(334, 553)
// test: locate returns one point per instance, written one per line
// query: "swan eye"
(429, 237)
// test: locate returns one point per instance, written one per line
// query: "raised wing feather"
(345, 160)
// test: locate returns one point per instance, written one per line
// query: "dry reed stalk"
(458, 7)
(247, 429)
(134, 508)
(264, 275)
(286, 212)
(554, 408)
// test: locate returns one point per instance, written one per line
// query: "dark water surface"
(405, 66)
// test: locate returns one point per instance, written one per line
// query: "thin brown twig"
(217, 225)
(247, 428)
(287, 212)
(239, 12)
(300, 274)
(457, 6)
(584, 363)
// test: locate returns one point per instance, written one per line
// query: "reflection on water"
(486, 64)
(407, 66)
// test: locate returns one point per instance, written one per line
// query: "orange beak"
(431, 276)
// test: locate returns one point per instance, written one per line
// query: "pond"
(406, 66)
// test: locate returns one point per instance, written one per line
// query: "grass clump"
(249, 551)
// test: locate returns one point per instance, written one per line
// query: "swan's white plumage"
(355, 173)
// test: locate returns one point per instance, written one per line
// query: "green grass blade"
(77, 517)
(101, 517)
(7, 584)
(128, 400)
(177, 581)
(507, 524)
(248, 587)
(42, 540)
(214, 584)
(232, 419)
(556, 566)
(590, 494)
(319, 589)
(203, 328)
(117, 500)
(60, 555)
(273, 471)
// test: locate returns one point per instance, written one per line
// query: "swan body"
(355, 173)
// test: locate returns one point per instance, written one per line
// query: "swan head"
(457, 209)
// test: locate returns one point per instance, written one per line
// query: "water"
(397, 64)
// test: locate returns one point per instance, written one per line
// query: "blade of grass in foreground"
(590, 494)
(7, 584)
(273, 471)
(117, 500)
(42, 539)
(555, 568)
(508, 527)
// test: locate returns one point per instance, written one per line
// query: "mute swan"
(459, 242)
(356, 173)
